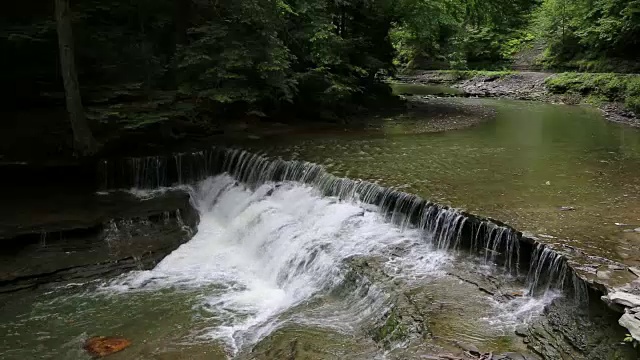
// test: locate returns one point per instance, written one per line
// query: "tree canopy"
(226, 54)
(585, 33)
(308, 57)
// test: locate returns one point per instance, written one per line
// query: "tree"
(589, 33)
(458, 33)
(84, 141)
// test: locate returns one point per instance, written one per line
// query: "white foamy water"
(261, 252)
(521, 310)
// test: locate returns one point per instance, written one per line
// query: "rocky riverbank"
(530, 86)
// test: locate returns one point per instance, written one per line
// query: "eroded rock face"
(121, 232)
(627, 300)
(571, 332)
(101, 346)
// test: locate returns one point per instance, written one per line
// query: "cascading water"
(447, 228)
(275, 234)
(550, 270)
(444, 226)
(260, 252)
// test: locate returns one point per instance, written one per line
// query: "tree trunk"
(181, 11)
(84, 141)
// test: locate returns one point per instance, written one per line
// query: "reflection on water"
(522, 168)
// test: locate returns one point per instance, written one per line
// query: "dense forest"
(205, 60)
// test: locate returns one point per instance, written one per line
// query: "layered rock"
(109, 234)
(627, 299)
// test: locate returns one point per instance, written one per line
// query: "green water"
(521, 167)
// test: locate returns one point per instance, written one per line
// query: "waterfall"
(444, 227)
(264, 250)
(549, 270)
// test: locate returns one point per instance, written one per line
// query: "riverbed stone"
(567, 208)
(513, 356)
(605, 275)
(522, 86)
(521, 330)
(616, 267)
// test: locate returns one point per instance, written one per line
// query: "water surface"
(271, 269)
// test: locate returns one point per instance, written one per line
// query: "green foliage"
(341, 49)
(589, 35)
(460, 34)
(515, 44)
(228, 56)
(235, 55)
(585, 34)
(630, 340)
(308, 57)
(599, 87)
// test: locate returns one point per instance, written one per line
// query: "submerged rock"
(101, 346)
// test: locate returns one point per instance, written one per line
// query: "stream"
(287, 262)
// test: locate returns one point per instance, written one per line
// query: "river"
(280, 270)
